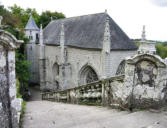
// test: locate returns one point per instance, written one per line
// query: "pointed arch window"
(88, 75)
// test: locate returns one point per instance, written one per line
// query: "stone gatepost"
(10, 106)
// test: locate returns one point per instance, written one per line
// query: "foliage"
(18, 95)
(8, 18)
(161, 49)
(22, 68)
(23, 104)
(24, 15)
(47, 16)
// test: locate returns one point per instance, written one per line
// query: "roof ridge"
(75, 17)
(79, 16)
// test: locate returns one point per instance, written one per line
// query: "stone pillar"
(41, 60)
(63, 65)
(10, 105)
(62, 43)
(106, 62)
(103, 94)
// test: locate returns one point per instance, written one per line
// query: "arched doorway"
(87, 75)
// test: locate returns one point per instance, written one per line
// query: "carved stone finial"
(62, 29)
(40, 26)
(41, 35)
(146, 46)
(1, 20)
(143, 36)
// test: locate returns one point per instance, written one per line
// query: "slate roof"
(31, 25)
(87, 32)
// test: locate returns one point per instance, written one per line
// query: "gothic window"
(30, 37)
(87, 75)
(91, 76)
(121, 68)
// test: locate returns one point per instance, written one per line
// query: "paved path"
(45, 114)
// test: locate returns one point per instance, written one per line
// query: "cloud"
(161, 3)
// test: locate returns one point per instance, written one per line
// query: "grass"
(18, 95)
(22, 108)
(22, 112)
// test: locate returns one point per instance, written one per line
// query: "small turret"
(32, 30)
(146, 46)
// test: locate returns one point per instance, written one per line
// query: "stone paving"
(45, 114)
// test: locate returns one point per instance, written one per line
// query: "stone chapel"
(75, 51)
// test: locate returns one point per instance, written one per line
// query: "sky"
(130, 15)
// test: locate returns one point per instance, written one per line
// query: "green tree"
(8, 18)
(23, 15)
(46, 16)
(161, 49)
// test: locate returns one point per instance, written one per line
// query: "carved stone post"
(106, 69)
(9, 104)
(103, 94)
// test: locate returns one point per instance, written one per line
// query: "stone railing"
(96, 93)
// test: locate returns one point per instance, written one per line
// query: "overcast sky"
(130, 15)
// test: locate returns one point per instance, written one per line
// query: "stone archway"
(88, 75)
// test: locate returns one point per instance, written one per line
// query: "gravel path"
(45, 114)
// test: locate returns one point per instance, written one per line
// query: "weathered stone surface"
(79, 59)
(143, 85)
(9, 104)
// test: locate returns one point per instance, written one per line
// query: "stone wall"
(10, 106)
(76, 59)
(32, 53)
(143, 85)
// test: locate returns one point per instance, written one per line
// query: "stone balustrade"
(97, 93)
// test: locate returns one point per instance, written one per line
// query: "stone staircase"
(96, 93)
